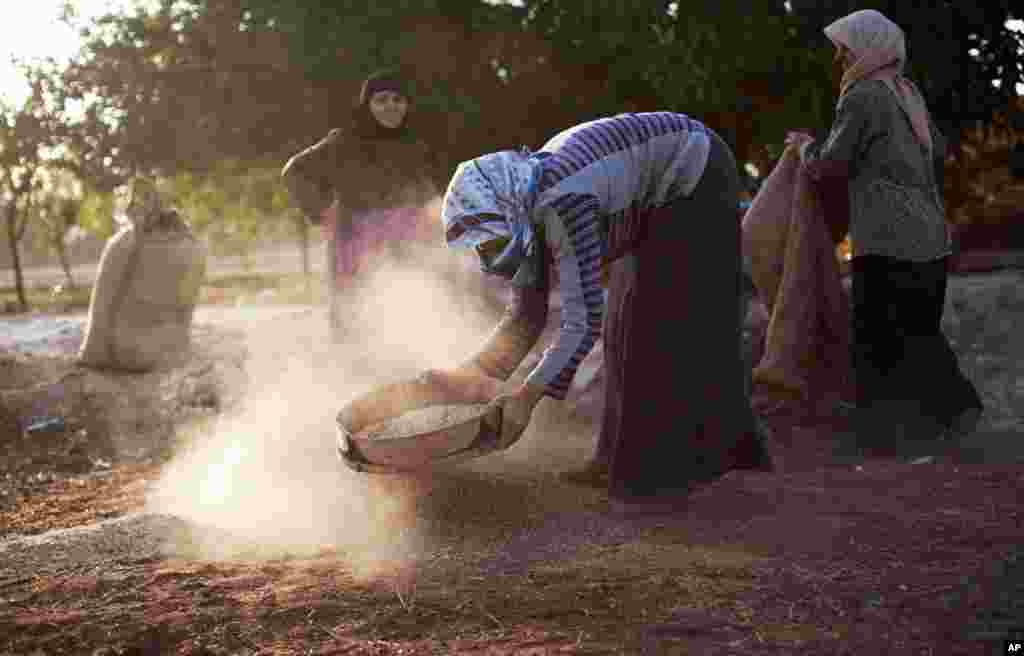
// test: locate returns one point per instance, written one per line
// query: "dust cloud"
(264, 481)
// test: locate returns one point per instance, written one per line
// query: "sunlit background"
(35, 31)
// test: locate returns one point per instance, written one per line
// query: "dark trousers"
(898, 350)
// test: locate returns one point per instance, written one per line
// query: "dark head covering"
(364, 123)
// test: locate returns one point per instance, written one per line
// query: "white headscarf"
(491, 196)
(879, 50)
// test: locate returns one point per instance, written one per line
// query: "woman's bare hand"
(329, 213)
(798, 139)
(517, 401)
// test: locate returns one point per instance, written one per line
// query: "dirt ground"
(876, 556)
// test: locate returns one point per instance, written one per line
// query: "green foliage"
(27, 141)
(53, 213)
(96, 214)
(200, 80)
(235, 205)
(213, 95)
(44, 298)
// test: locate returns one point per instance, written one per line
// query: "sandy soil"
(497, 556)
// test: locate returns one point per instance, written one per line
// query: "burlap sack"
(140, 314)
(765, 227)
(789, 241)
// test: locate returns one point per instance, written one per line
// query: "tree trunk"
(303, 229)
(14, 241)
(65, 263)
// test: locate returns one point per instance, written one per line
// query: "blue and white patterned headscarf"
(490, 197)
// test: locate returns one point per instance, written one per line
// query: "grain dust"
(424, 420)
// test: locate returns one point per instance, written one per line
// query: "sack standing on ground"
(146, 291)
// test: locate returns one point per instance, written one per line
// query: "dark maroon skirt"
(676, 409)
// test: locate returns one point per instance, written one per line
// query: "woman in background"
(367, 186)
(886, 144)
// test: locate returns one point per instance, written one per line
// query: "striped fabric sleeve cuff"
(555, 393)
(558, 387)
(552, 389)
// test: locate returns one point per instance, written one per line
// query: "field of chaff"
(200, 510)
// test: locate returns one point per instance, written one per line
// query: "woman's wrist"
(532, 392)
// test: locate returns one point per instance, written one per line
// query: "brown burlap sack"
(140, 314)
(766, 226)
(789, 239)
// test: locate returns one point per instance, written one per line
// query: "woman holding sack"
(366, 185)
(638, 213)
(884, 141)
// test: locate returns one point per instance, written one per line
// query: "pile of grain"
(425, 420)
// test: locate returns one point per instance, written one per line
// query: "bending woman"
(366, 185)
(644, 204)
(885, 142)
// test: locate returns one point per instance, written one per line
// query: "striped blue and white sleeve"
(578, 256)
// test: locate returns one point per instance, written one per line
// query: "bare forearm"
(514, 336)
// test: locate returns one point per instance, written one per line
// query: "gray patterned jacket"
(896, 204)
